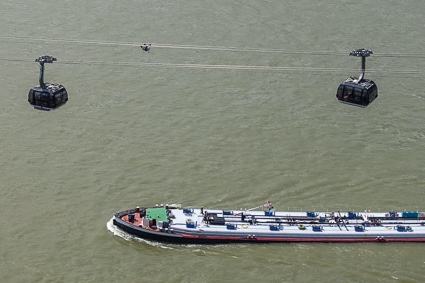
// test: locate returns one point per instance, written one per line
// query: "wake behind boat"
(174, 224)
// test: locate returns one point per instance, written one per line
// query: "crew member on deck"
(269, 207)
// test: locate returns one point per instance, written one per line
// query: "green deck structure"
(158, 213)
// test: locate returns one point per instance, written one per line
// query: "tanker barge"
(188, 225)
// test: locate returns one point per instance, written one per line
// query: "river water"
(234, 104)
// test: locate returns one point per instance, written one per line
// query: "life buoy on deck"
(381, 239)
(301, 227)
(244, 226)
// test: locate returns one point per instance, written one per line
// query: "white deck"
(328, 227)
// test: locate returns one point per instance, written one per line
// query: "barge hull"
(197, 226)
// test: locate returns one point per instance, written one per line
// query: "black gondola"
(47, 96)
(358, 91)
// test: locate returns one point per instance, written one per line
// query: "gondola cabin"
(50, 97)
(356, 93)
(47, 96)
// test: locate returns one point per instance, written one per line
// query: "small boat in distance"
(174, 224)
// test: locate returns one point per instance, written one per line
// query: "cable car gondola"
(47, 96)
(358, 91)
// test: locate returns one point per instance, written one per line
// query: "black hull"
(166, 237)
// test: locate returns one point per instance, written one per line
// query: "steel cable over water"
(216, 66)
(203, 47)
(226, 67)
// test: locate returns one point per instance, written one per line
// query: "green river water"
(234, 104)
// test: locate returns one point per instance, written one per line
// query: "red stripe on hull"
(300, 239)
